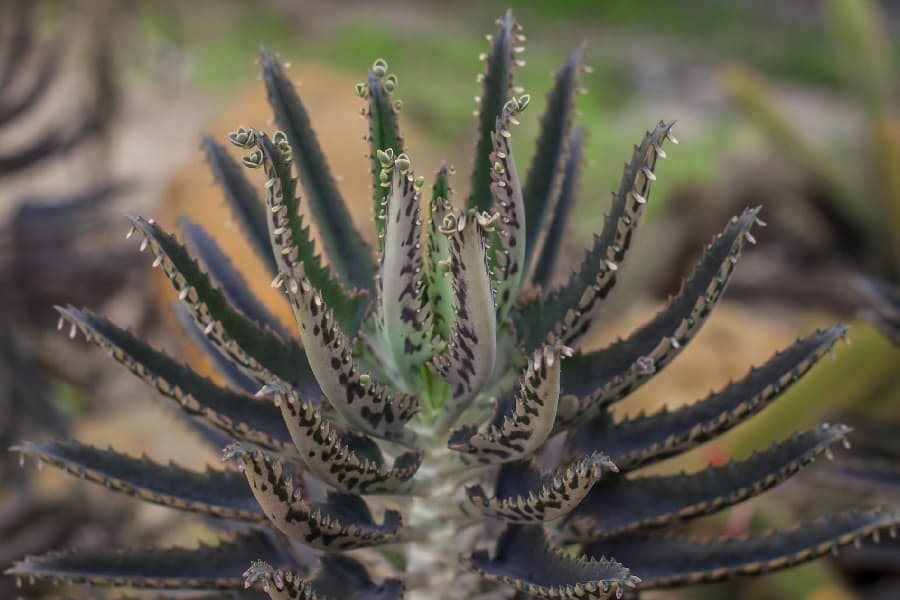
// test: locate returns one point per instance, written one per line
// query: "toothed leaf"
(438, 282)
(230, 281)
(546, 254)
(472, 349)
(405, 318)
(347, 252)
(668, 561)
(258, 352)
(496, 89)
(384, 134)
(291, 241)
(242, 197)
(363, 402)
(526, 560)
(551, 162)
(606, 376)
(339, 578)
(625, 504)
(518, 433)
(525, 495)
(351, 463)
(568, 311)
(205, 567)
(637, 441)
(221, 494)
(341, 522)
(238, 415)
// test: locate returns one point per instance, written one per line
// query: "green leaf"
(637, 441)
(606, 376)
(625, 504)
(213, 567)
(544, 260)
(366, 404)
(525, 559)
(568, 311)
(669, 561)
(290, 239)
(551, 162)
(469, 361)
(384, 136)
(438, 283)
(221, 494)
(523, 494)
(403, 311)
(245, 203)
(342, 522)
(238, 415)
(347, 252)
(497, 88)
(517, 432)
(258, 352)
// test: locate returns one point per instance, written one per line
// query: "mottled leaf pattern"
(438, 282)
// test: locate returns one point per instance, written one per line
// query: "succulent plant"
(434, 430)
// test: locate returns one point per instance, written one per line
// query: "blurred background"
(791, 105)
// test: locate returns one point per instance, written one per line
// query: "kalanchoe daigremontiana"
(434, 427)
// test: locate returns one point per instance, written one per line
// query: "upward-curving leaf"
(496, 89)
(625, 504)
(243, 199)
(568, 311)
(605, 376)
(438, 283)
(549, 166)
(646, 438)
(207, 567)
(668, 560)
(238, 415)
(221, 494)
(347, 252)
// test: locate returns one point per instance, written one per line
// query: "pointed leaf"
(242, 197)
(608, 375)
(525, 495)
(511, 230)
(342, 522)
(363, 402)
(347, 252)
(258, 352)
(438, 283)
(519, 433)
(667, 561)
(884, 306)
(384, 136)
(229, 279)
(339, 578)
(551, 160)
(567, 312)
(626, 504)
(290, 239)
(525, 559)
(469, 361)
(351, 463)
(221, 494)
(544, 259)
(240, 416)
(644, 439)
(497, 87)
(405, 318)
(205, 567)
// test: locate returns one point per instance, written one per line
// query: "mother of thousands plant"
(434, 430)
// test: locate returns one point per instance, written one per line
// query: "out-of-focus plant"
(351, 471)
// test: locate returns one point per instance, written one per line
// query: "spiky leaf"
(217, 493)
(384, 135)
(347, 252)
(339, 578)
(438, 283)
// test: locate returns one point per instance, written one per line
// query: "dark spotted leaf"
(339, 578)
(438, 282)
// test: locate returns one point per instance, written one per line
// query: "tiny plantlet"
(431, 429)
